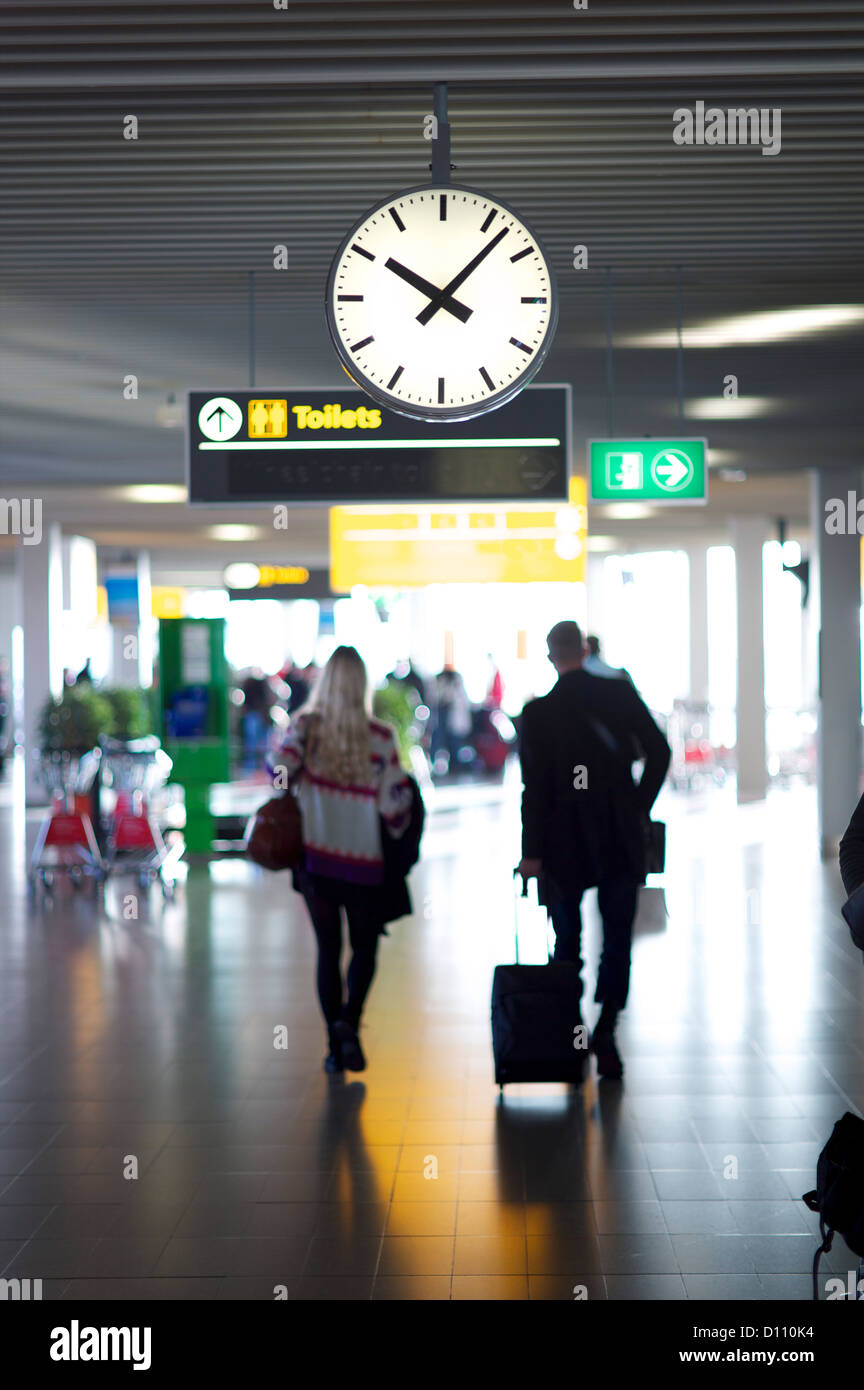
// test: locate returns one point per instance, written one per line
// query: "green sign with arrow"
(648, 470)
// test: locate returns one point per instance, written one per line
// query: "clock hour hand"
(446, 301)
(438, 300)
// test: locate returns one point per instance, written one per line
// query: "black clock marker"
(487, 378)
(520, 254)
(523, 346)
(352, 298)
(488, 223)
(370, 339)
(397, 219)
(440, 390)
(442, 207)
(360, 251)
(533, 299)
(394, 378)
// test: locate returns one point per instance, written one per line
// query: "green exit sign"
(648, 470)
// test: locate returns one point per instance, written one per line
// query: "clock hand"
(437, 301)
(446, 301)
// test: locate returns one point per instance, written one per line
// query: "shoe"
(349, 1046)
(333, 1063)
(609, 1062)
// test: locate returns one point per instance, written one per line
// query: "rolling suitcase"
(537, 1029)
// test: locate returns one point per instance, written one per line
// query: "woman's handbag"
(274, 835)
(402, 852)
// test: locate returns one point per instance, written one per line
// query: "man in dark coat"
(584, 819)
(852, 873)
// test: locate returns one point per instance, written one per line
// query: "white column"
(748, 536)
(132, 639)
(835, 586)
(596, 593)
(697, 556)
(39, 570)
(146, 634)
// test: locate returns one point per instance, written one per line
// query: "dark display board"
(339, 447)
(317, 586)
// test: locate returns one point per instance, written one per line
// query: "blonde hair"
(338, 722)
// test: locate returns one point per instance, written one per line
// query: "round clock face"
(441, 303)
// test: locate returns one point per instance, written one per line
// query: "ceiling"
(259, 127)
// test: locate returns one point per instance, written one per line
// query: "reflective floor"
(184, 1045)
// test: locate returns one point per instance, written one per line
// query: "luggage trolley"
(66, 843)
(694, 759)
(135, 770)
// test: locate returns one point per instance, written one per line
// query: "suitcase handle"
(523, 894)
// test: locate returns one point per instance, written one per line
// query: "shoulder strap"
(827, 1241)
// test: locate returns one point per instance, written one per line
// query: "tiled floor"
(155, 1040)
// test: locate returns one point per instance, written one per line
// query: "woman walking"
(346, 772)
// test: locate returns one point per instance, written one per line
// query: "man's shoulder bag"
(654, 830)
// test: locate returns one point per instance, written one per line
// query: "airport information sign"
(648, 470)
(338, 446)
(407, 547)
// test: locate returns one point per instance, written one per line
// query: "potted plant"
(73, 723)
(130, 709)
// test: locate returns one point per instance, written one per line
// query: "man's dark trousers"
(617, 899)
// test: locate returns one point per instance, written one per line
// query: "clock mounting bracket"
(440, 166)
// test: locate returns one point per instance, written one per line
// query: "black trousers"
(326, 901)
(617, 899)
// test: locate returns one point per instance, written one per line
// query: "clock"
(441, 303)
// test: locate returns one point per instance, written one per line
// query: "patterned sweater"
(341, 828)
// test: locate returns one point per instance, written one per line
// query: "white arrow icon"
(220, 418)
(671, 469)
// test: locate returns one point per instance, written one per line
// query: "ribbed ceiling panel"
(259, 127)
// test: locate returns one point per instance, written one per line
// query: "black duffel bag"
(838, 1196)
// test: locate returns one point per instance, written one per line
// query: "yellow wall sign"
(411, 546)
(167, 601)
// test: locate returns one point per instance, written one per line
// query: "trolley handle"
(523, 894)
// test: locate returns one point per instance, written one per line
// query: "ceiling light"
(732, 475)
(241, 575)
(154, 492)
(769, 326)
(169, 414)
(233, 532)
(739, 408)
(626, 511)
(568, 547)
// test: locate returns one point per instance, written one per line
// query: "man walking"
(584, 819)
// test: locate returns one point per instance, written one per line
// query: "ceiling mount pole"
(680, 352)
(251, 330)
(440, 165)
(610, 378)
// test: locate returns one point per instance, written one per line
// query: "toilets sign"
(648, 470)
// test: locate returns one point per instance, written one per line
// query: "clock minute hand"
(437, 301)
(459, 310)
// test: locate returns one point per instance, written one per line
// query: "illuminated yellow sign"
(411, 546)
(268, 419)
(333, 417)
(268, 575)
(166, 601)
